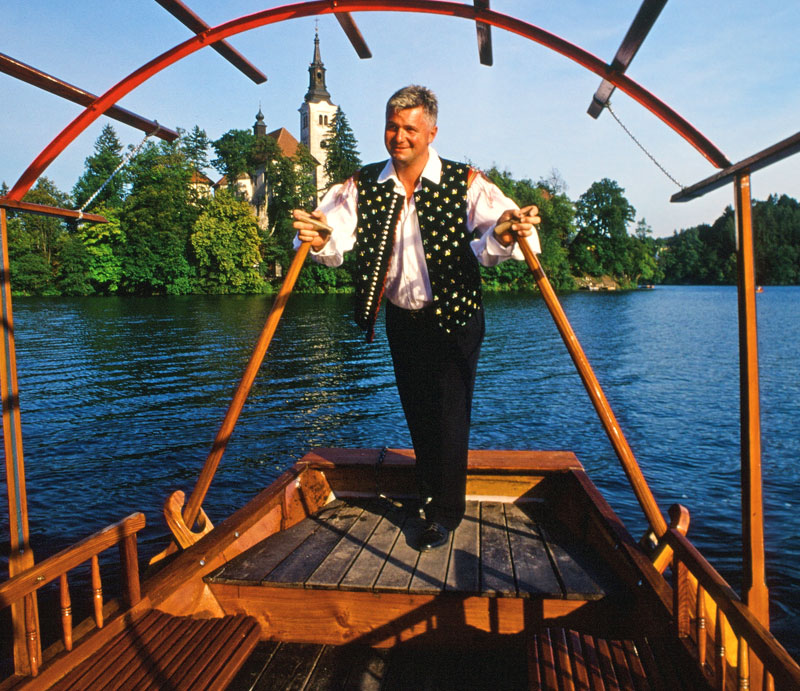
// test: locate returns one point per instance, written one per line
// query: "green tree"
(233, 153)
(342, 157)
(226, 246)
(156, 219)
(195, 146)
(98, 169)
(557, 213)
(601, 244)
(290, 182)
(34, 242)
(104, 243)
(72, 270)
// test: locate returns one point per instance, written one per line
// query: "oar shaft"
(243, 390)
(609, 421)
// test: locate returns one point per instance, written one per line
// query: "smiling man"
(419, 225)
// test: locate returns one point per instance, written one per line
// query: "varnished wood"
(129, 562)
(598, 398)
(192, 21)
(353, 34)
(31, 634)
(213, 459)
(682, 599)
(20, 555)
(642, 23)
(160, 651)
(51, 568)
(777, 152)
(479, 460)
(66, 612)
(766, 649)
(97, 591)
(484, 35)
(48, 82)
(45, 210)
(679, 520)
(754, 586)
(701, 634)
(379, 619)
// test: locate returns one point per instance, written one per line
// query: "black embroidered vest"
(442, 213)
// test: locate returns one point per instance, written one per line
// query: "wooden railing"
(710, 615)
(22, 587)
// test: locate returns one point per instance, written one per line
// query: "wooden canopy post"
(754, 586)
(20, 554)
(623, 450)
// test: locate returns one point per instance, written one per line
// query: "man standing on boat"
(419, 225)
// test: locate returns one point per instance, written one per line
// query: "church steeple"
(317, 91)
(260, 126)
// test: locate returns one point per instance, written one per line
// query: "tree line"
(166, 235)
(706, 254)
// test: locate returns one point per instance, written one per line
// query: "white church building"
(316, 116)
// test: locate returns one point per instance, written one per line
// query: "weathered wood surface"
(499, 550)
(279, 666)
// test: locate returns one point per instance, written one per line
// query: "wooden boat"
(314, 583)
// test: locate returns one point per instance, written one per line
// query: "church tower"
(316, 115)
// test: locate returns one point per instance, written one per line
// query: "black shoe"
(434, 535)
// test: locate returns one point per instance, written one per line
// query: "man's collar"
(432, 170)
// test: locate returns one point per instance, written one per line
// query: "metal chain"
(639, 144)
(122, 164)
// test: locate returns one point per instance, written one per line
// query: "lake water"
(121, 399)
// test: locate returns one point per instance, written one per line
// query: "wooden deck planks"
(464, 574)
(338, 562)
(499, 550)
(497, 573)
(532, 567)
(367, 566)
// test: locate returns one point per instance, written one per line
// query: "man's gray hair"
(413, 96)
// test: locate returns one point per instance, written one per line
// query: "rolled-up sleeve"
(485, 204)
(340, 206)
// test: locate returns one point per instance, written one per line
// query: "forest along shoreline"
(172, 231)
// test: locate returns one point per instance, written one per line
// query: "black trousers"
(435, 374)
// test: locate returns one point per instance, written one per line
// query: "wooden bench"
(160, 651)
(562, 659)
(122, 647)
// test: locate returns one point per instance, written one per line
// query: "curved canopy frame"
(305, 9)
(756, 594)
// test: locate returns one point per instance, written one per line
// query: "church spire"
(317, 91)
(260, 126)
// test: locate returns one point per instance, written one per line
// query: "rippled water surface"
(121, 399)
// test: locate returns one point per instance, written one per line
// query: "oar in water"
(193, 506)
(613, 430)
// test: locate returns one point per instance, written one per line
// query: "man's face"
(407, 136)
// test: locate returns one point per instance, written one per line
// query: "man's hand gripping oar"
(516, 223)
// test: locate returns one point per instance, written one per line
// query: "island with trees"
(171, 231)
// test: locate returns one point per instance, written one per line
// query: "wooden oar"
(192, 509)
(613, 430)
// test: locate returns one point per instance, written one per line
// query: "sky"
(730, 67)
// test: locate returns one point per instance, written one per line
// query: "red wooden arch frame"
(314, 7)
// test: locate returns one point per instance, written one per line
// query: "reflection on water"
(121, 399)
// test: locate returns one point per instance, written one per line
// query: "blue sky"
(732, 68)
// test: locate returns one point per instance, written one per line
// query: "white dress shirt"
(407, 283)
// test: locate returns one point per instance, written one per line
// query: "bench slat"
(163, 651)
